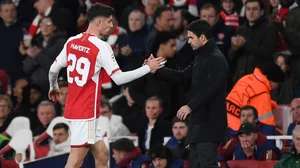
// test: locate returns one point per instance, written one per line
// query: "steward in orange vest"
(254, 89)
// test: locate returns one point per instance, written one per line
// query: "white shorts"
(84, 133)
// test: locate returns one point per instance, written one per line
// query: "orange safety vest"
(253, 89)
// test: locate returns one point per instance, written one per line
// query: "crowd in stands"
(259, 38)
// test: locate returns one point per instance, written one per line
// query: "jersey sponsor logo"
(233, 109)
(80, 48)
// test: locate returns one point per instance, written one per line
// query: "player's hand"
(53, 95)
(183, 112)
(146, 60)
(156, 63)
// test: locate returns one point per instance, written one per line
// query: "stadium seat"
(42, 151)
(9, 163)
(16, 124)
(20, 142)
(251, 164)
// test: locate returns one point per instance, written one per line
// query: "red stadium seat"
(251, 164)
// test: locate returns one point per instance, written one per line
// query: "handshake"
(155, 63)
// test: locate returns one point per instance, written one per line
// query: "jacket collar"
(202, 51)
(262, 78)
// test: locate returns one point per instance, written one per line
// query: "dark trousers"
(203, 155)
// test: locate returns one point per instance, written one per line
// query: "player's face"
(247, 116)
(179, 130)
(63, 95)
(59, 136)
(159, 163)
(153, 109)
(106, 25)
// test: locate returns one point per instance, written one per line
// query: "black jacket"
(208, 74)
(259, 47)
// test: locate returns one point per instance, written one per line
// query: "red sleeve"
(227, 150)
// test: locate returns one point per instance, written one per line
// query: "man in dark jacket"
(208, 74)
(255, 41)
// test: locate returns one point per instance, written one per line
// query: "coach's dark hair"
(99, 9)
(199, 27)
(6, 2)
(159, 11)
(155, 98)
(123, 145)
(255, 113)
(261, 4)
(161, 38)
(105, 102)
(61, 125)
(176, 120)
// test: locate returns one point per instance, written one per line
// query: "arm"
(226, 151)
(59, 63)
(217, 76)
(175, 75)
(107, 60)
(45, 59)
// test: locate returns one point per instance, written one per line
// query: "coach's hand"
(183, 112)
(53, 95)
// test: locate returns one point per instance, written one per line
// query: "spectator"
(291, 159)
(221, 33)
(255, 91)
(132, 45)
(11, 32)
(17, 91)
(61, 142)
(162, 157)
(46, 46)
(190, 5)
(248, 145)
(287, 90)
(255, 41)
(116, 126)
(61, 16)
(46, 113)
(228, 15)
(154, 129)
(179, 129)
(295, 109)
(184, 53)
(60, 105)
(129, 111)
(250, 114)
(31, 97)
(150, 8)
(127, 155)
(287, 23)
(163, 18)
(5, 112)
